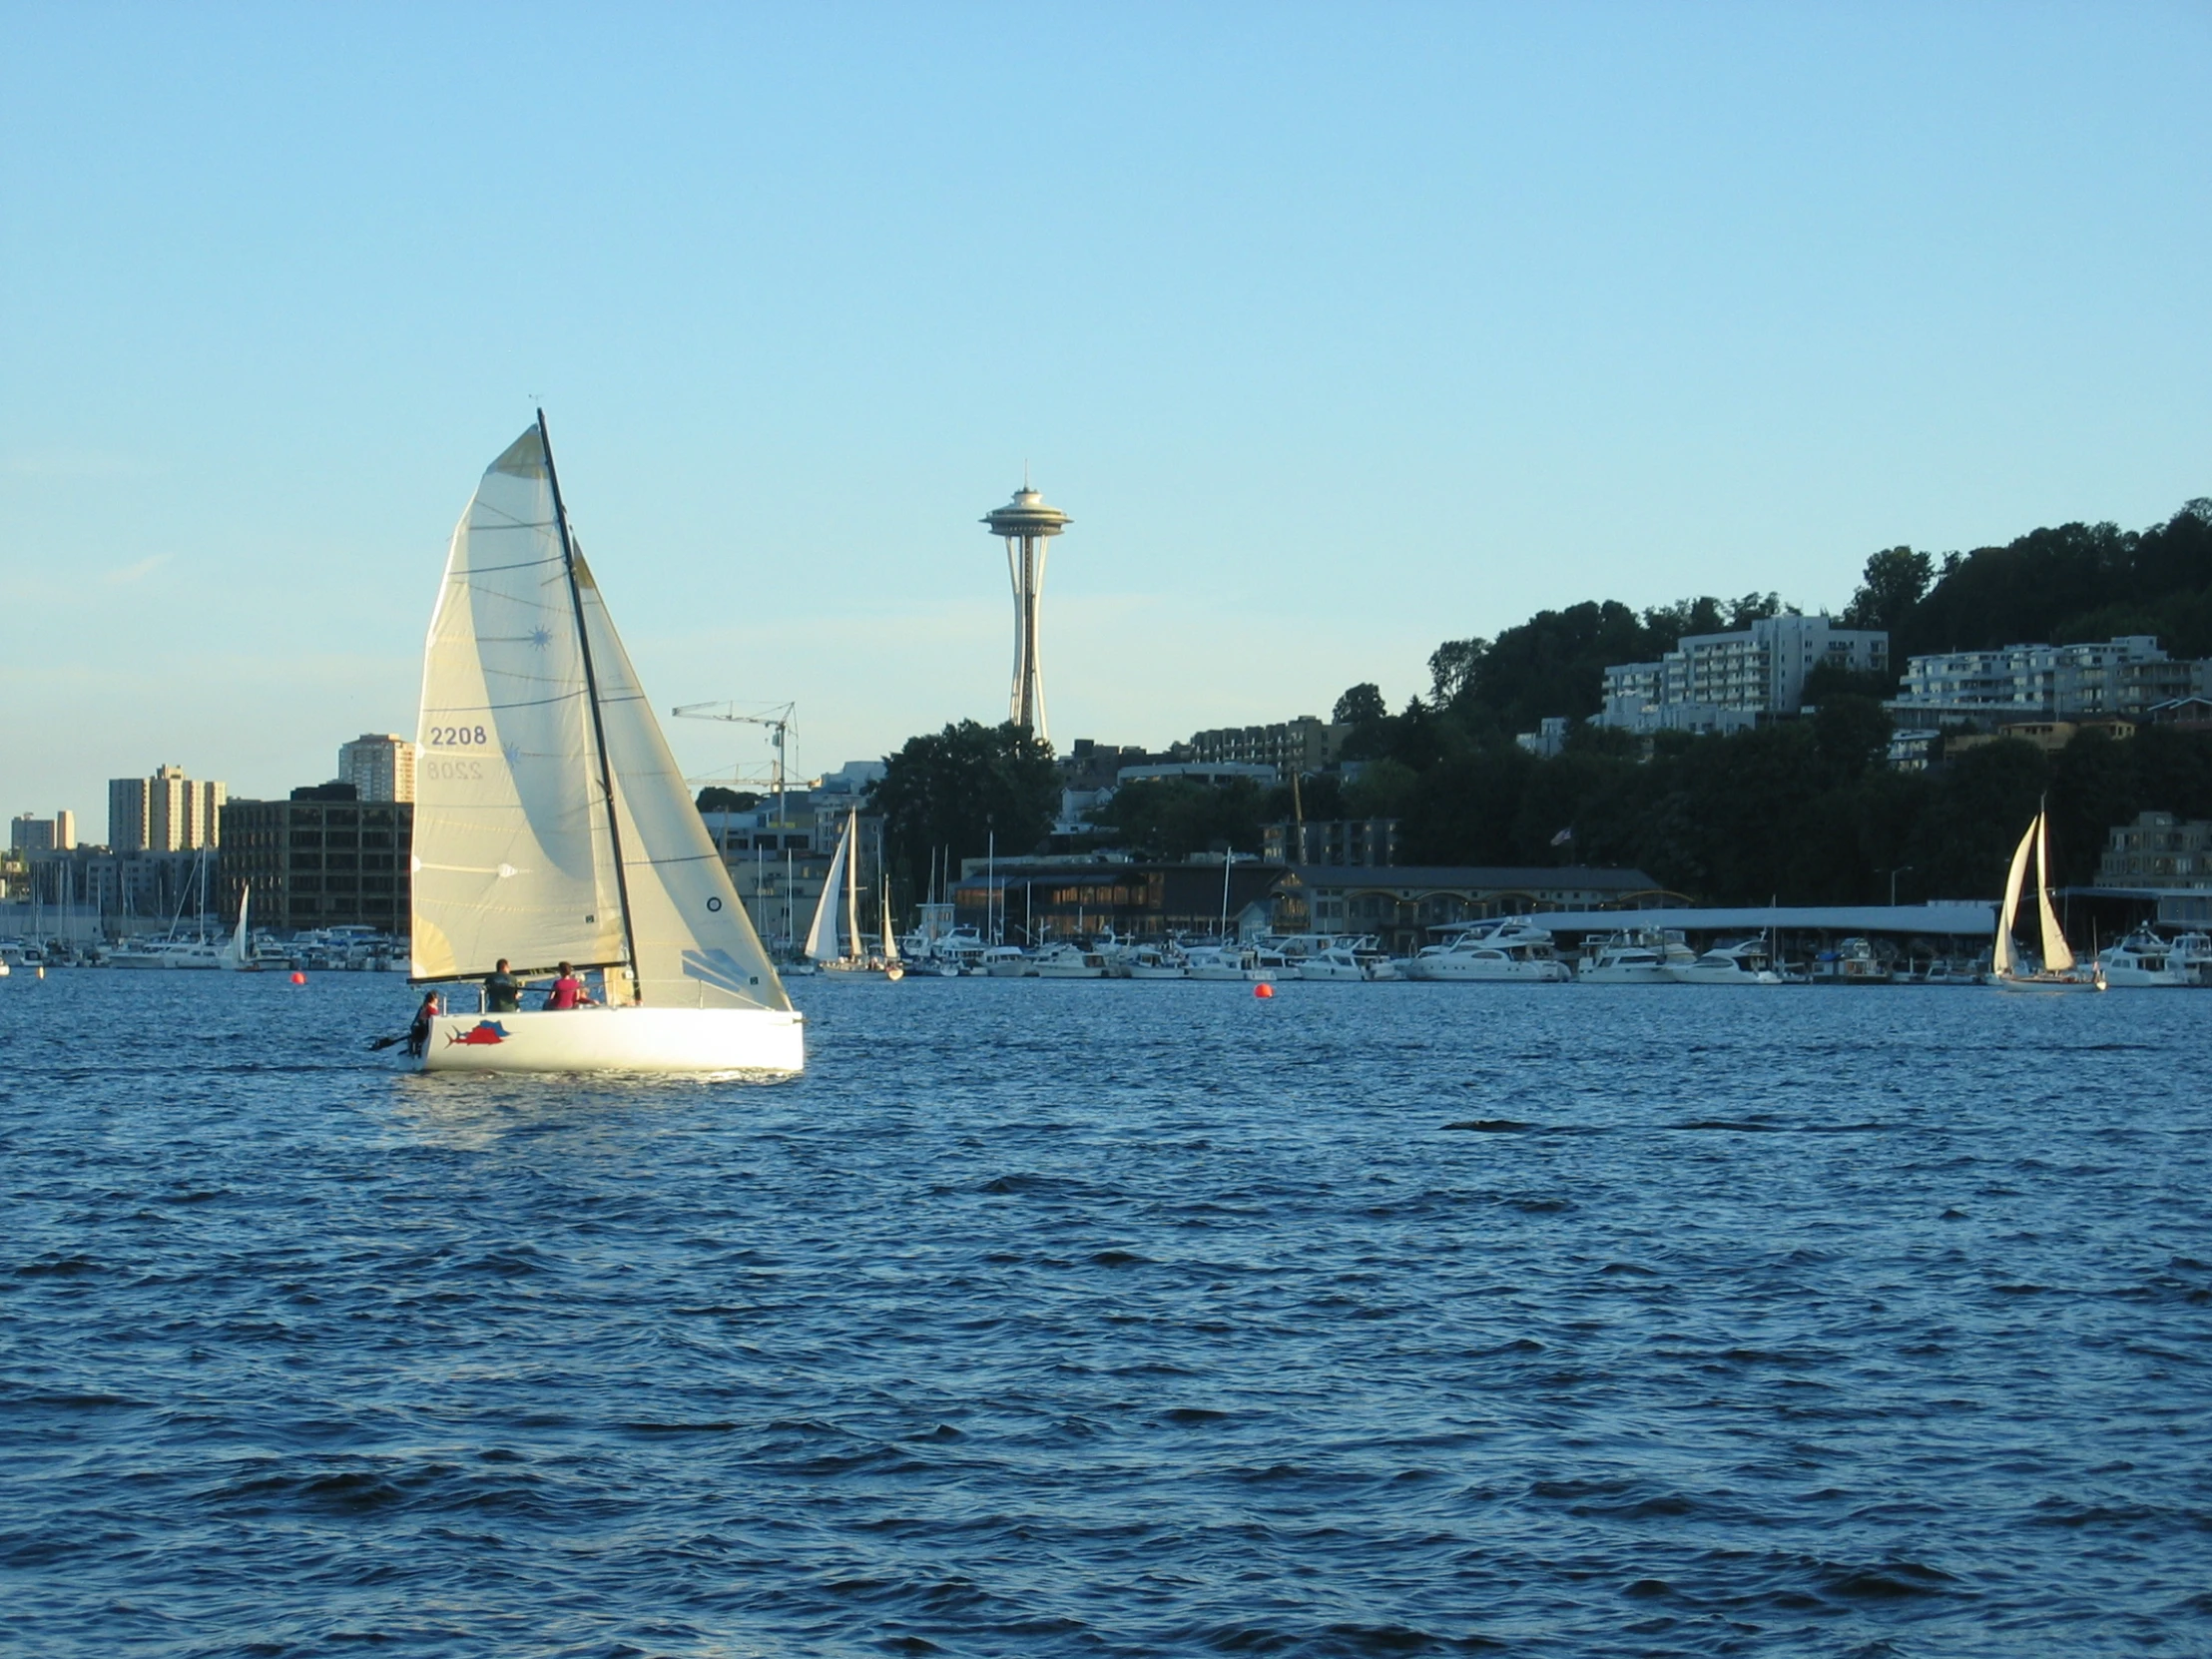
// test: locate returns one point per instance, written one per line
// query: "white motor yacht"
(1472, 958)
(1068, 960)
(2142, 962)
(1152, 961)
(166, 953)
(1732, 964)
(1225, 961)
(2193, 953)
(1636, 957)
(1006, 962)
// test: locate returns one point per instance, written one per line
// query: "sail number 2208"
(454, 737)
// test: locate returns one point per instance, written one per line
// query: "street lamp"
(1894, 875)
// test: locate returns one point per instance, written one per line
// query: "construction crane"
(776, 716)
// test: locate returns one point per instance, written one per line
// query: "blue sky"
(1340, 331)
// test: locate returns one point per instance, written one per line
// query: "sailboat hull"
(691, 1041)
(2034, 984)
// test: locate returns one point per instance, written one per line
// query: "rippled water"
(1114, 1319)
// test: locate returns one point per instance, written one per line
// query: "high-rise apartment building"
(2127, 676)
(167, 813)
(1719, 682)
(43, 835)
(379, 765)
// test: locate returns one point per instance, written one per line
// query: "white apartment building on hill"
(2125, 675)
(1724, 682)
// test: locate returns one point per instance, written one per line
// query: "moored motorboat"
(2142, 962)
(1745, 963)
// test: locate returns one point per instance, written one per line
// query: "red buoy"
(298, 978)
(1263, 988)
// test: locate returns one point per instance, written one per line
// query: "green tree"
(1895, 581)
(718, 798)
(949, 793)
(1172, 817)
(1362, 705)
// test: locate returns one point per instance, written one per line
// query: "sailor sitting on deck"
(568, 991)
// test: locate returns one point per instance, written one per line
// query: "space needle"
(1026, 524)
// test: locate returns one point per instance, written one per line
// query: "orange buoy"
(1262, 989)
(298, 978)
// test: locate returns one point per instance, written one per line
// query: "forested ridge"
(1801, 812)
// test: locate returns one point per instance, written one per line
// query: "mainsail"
(532, 714)
(2057, 958)
(512, 856)
(2000, 955)
(822, 937)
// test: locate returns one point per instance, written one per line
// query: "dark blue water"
(1114, 1319)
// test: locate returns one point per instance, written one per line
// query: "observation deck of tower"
(1026, 524)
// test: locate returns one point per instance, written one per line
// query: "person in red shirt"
(568, 991)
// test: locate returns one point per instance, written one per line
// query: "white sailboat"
(892, 968)
(237, 955)
(2058, 972)
(551, 824)
(823, 948)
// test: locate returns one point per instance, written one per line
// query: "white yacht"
(1472, 958)
(2142, 962)
(166, 953)
(1006, 962)
(1153, 961)
(1068, 960)
(1226, 961)
(2193, 951)
(1731, 964)
(1636, 957)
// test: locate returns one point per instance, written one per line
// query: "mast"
(853, 886)
(598, 721)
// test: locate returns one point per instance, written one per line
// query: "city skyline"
(1345, 335)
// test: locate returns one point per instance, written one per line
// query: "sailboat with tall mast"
(2058, 971)
(842, 952)
(552, 826)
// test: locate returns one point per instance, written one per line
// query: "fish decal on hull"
(482, 1032)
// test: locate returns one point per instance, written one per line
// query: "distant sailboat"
(551, 824)
(2058, 972)
(840, 890)
(237, 955)
(823, 947)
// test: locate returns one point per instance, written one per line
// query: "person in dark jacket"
(501, 994)
(418, 1034)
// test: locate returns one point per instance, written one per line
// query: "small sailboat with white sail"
(552, 826)
(2058, 971)
(237, 956)
(840, 949)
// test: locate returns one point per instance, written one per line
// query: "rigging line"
(598, 725)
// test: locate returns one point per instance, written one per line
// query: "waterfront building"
(1198, 771)
(1360, 842)
(322, 858)
(379, 765)
(2123, 677)
(1304, 745)
(43, 835)
(1401, 906)
(167, 813)
(1031, 900)
(1724, 682)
